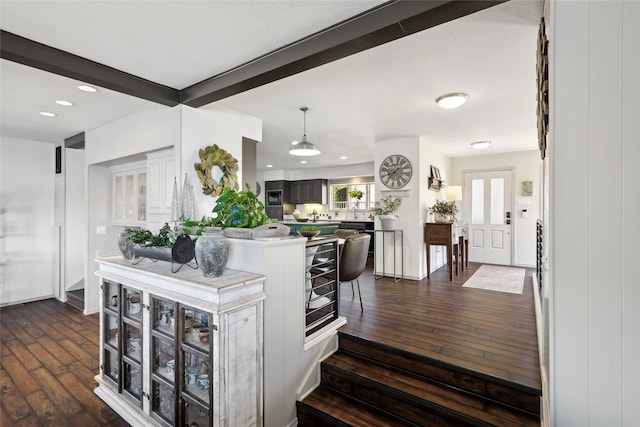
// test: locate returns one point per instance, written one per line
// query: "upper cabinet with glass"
(129, 200)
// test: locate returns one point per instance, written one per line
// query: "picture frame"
(435, 172)
(526, 188)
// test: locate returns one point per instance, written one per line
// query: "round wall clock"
(395, 171)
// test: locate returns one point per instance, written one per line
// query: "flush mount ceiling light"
(86, 88)
(47, 114)
(452, 100)
(481, 145)
(304, 147)
(65, 103)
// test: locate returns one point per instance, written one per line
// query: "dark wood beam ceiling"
(388, 22)
(37, 55)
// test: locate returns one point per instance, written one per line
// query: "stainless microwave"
(274, 198)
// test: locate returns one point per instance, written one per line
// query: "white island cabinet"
(179, 349)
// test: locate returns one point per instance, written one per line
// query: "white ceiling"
(385, 92)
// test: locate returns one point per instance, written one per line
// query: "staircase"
(76, 298)
(370, 384)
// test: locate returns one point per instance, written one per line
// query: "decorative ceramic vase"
(438, 217)
(212, 253)
(126, 245)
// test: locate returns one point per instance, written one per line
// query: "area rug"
(497, 278)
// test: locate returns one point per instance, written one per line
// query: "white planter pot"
(388, 222)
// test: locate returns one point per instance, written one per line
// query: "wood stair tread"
(344, 410)
(513, 394)
(413, 389)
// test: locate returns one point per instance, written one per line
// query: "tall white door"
(488, 206)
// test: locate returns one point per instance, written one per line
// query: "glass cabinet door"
(195, 353)
(132, 344)
(132, 305)
(111, 333)
(165, 370)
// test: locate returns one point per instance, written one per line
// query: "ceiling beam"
(37, 55)
(391, 21)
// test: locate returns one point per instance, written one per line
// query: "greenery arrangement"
(387, 205)
(308, 228)
(215, 156)
(444, 208)
(240, 209)
(166, 236)
(356, 194)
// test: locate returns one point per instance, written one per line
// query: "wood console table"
(441, 234)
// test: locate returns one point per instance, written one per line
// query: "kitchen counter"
(326, 227)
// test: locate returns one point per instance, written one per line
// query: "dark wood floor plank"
(91, 361)
(20, 376)
(47, 359)
(57, 350)
(58, 393)
(14, 405)
(46, 411)
(28, 360)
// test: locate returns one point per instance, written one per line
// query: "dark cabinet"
(275, 185)
(308, 191)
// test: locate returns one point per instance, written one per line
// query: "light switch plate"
(101, 229)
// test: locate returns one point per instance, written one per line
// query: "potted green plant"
(443, 211)
(241, 214)
(385, 210)
(154, 246)
(308, 231)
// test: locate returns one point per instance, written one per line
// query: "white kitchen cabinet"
(179, 349)
(161, 172)
(129, 194)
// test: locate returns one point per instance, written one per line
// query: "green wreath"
(215, 156)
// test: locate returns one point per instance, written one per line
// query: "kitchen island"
(326, 227)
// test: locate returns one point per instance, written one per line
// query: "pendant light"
(304, 147)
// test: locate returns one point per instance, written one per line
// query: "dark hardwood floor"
(492, 333)
(49, 350)
(49, 356)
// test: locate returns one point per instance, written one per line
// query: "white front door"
(488, 209)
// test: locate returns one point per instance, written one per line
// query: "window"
(340, 200)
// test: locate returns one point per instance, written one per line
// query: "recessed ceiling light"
(343, 157)
(303, 161)
(47, 114)
(86, 88)
(452, 100)
(65, 103)
(481, 145)
(269, 166)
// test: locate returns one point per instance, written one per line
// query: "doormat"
(497, 278)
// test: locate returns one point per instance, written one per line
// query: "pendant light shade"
(304, 147)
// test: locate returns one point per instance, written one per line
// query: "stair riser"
(492, 390)
(377, 396)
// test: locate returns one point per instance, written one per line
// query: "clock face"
(395, 171)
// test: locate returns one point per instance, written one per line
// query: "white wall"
(594, 157)
(431, 155)
(415, 198)
(28, 242)
(75, 215)
(213, 124)
(527, 166)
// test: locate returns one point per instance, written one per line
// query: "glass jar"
(212, 253)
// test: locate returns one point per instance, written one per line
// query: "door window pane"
(497, 200)
(477, 201)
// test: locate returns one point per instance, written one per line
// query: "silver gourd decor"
(212, 253)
